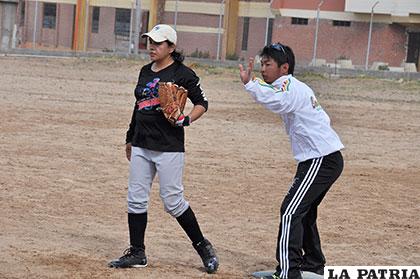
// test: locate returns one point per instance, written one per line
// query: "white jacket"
(306, 123)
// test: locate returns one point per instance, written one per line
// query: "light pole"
(267, 23)
(176, 14)
(35, 24)
(370, 34)
(316, 31)
(137, 27)
(219, 31)
(130, 37)
(85, 43)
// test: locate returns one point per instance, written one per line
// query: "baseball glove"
(172, 100)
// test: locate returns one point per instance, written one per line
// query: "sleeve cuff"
(249, 85)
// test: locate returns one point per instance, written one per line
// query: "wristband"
(183, 121)
(187, 121)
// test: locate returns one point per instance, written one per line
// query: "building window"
(341, 23)
(95, 19)
(245, 33)
(50, 12)
(122, 22)
(299, 21)
(270, 31)
(22, 14)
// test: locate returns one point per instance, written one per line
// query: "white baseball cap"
(161, 33)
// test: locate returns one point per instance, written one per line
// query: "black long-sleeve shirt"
(149, 128)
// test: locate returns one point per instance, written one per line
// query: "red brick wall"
(48, 37)
(105, 38)
(61, 36)
(336, 5)
(388, 44)
(189, 42)
(333, 41)
(65, 25)
(29, 21)
(336, 41)
(256, 37)
(205, 1)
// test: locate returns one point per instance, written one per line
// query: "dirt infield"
(64, 174)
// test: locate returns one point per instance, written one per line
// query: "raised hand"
(246, 74)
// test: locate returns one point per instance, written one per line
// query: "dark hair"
(281, 54)
(176, 55)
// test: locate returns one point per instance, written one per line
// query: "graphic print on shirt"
(149, 96)
(315, 103)
(283, 87)
(202, 91)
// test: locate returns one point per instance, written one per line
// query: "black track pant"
(298, 243)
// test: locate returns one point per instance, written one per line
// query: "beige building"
(107, 25)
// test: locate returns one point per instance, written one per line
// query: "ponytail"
(177, 56)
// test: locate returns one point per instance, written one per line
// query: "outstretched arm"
(274, 97)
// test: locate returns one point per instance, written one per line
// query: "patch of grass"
(208, 69)
(383, 68)
(200, 54)
(310, 76)
(232, 56)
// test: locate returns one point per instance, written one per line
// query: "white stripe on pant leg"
(300, 200)
(307, 188)
(296, 200)
(313, 170)
(285, 257)
(282, 236)
(289, 220)
(283, 251)
(302, 191)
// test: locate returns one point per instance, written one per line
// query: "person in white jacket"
(315, 146)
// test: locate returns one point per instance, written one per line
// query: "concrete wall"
(393, 7)
(7, 23)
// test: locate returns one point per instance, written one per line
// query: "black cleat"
(208, 255)
(132, 257)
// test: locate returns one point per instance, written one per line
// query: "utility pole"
(176, 14)
(35, 24)
(219, 30)
(370, 34)
(137, 27)
(316, 32)
(267, 23)
(130, 36)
